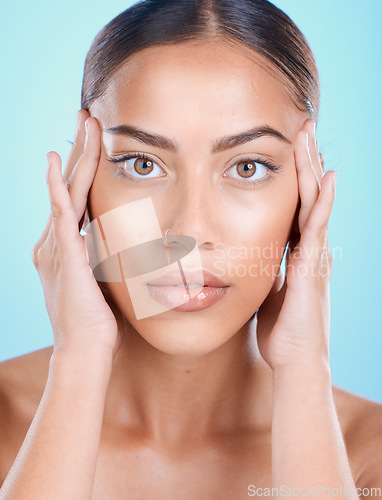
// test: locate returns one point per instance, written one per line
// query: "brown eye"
(251, 171)
(143, 166)
(246, 168)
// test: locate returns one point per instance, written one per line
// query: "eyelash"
(267, 164)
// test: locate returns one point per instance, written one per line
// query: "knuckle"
(326, 263)
(34, 255)
(91, 148)
(330, 260)
(57, 211)
(309, 227)
(41, 254)
(78, 144)
(321, 231)
(38, 256)
(90, 155)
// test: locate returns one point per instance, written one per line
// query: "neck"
(170, 399)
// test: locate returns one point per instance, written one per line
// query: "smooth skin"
(194, 407)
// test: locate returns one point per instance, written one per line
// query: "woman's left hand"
(294, 320)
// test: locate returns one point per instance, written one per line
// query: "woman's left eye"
(141, 167)
(253, 170)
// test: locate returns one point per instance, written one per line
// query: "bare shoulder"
(22, 383)
(361, 423)
(24, 377)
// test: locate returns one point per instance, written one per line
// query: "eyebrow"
(222, 144)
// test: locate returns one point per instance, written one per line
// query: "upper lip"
(192, 278)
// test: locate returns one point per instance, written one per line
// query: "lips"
(193, 278)
(192, 296)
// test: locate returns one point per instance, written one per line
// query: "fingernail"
(48, 158)
(87, 125)
(334, 179)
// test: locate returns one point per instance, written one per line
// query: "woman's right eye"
(137, 166)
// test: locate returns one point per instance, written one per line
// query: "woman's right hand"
(80, 316)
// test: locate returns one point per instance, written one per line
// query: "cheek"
(257, 238)
(101, 197)
(109, 191)
(263, 216)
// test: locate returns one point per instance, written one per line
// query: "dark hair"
(257, 24)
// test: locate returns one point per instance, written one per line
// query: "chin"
(173, 333)
(190, 333)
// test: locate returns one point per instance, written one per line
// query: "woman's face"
(239, 210)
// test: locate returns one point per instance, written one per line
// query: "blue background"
(44, 47)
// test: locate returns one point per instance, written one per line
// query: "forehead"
(175, 87)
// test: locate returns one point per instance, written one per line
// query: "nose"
(192, 208)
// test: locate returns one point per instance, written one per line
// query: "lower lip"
(172, 296)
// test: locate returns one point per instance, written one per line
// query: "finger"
(74, 155)
(307, 178)
(45, 234)
(78, 143)
(320, 158)
(294, 235)
(64, 219)
(84, 171)
(326, 258)
(45, 237)
(310, 127)
(314, 239)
